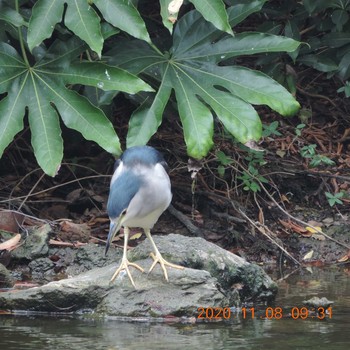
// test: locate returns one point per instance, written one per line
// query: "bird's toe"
(158, 259)
(125, 266)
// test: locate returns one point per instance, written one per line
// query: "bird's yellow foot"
(125, 266)
(158, 259)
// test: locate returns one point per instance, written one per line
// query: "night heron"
(140, 191)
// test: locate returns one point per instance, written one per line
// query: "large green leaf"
(196, 117)
(42, 89)
(45, 15)
(124, 15)
(204, 86)
(168, 18)
(214, 12)
(11, 114)
(145, 121)
(81, 18)
(242, 9)
(240, 44)
(11, 16)
(201, 31)
(84, 22)
(44, 125)
(105, 77)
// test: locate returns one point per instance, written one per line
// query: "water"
(20, 332)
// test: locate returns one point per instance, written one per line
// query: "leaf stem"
(155, 48)
(21, 41)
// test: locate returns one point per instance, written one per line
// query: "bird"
(140, 191)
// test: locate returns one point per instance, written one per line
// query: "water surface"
(43, 332)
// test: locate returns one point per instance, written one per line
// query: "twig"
(31, 191)
(186, 221)
(299, 220)
(268, 236)
(317, 96)
(293, 172)
(23, 214)
(66, 244)
(228, 217)
(57, 186)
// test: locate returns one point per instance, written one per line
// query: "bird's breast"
(150, 201)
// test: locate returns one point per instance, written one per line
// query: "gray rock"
(231, 271)
(35, 244)
(6, 280)
(317, 302)
(210, 279)
(41, 269)
(91, 256)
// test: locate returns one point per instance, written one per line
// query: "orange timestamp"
(270, 313)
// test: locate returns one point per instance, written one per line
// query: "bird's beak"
(113, 230)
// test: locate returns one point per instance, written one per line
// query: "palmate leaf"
(81, 18)
(212, 10)
(146, 120)
(242, 9)
(204, 86)
(168, 19)
(11, 16)
(42, 90)
(124, 15)
(84, 22)
(45, 15)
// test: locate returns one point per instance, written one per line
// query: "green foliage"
(309, 152)
(324, 27)
(334, 198)
(299, 128)
(203, 85)
(251, 177)
(271, 129)
(345, 89)
(54, 51)
(224, 161)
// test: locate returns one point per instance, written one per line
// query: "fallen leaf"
(261, 216)
(296, 228)
(312, 230)
(11, 243)
(308, 255)
(193, 167)
(318, 237)
(328, 221)
(309, 269)
(284, 198)
(254, 146)
(281, 153)
(136, 235)
(345, 257)
(72, 232)
(10, 220)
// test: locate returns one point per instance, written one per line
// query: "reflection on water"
(27, 333)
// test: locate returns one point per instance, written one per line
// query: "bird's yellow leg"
(125, 262)
(157, 257)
